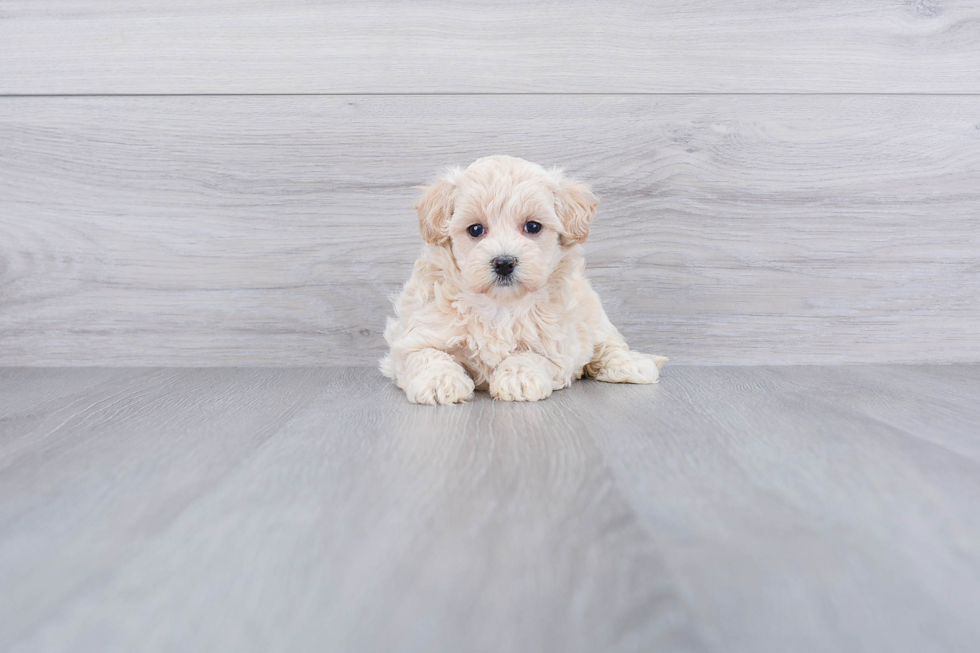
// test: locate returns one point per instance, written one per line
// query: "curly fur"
(460, 327)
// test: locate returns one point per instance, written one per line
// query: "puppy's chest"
(487, 341)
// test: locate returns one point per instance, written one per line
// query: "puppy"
(498, 300)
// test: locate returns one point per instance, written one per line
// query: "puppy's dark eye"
(475, 230)
(532, 227)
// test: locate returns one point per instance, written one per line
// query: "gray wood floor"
(726, 509)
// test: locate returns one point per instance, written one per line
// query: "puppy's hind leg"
(616, 365)
(614, 362)
(612, 359)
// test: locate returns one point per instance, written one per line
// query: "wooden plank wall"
(230, 183)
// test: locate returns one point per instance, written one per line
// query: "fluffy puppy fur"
(504, 306)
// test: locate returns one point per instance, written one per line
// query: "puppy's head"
(507, 221)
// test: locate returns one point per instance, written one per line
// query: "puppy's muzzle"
(504, 266)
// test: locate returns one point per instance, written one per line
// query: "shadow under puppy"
(499, 299)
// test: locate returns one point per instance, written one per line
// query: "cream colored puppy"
(499, 299)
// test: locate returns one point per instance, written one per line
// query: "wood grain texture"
(725, 509)
(586, 46)
(322, 510)
(765, 480)
(273, 230)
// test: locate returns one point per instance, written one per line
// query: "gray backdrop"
(231, 183)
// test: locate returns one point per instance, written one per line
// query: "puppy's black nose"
(504, 265)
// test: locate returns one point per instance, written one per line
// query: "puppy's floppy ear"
(435, 207)
(575, 205)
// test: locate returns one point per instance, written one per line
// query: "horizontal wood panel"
(587, 46)
(272, 230)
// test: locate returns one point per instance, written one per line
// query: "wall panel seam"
(427, 94)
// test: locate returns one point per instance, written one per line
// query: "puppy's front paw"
(625, 366)
(444, 384)
(514, 381)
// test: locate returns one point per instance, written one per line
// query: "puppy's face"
(504, 235)
(507, 222)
